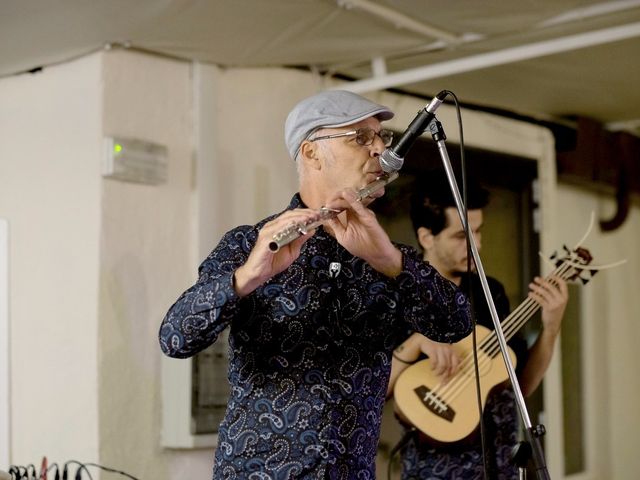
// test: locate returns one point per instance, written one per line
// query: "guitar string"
(512, 322)
(447, 392)
(489, 344)
(519, 320)
(511, 325)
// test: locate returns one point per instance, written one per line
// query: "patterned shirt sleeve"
(203, 311)
(433, 306)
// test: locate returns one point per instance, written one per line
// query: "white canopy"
(548, 58)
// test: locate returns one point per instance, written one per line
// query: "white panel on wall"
(5, 419)
(176, 407)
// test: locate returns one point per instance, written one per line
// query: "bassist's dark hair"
(432, 195)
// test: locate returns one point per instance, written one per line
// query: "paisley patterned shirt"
(309, 353)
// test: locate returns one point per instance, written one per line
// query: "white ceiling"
(544, 58)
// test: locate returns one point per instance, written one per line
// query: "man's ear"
(310, 154)
(425, 238)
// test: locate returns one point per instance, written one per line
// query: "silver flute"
(296, 230)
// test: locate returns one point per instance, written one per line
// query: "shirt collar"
(296, 202)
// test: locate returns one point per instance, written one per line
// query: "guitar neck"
(523, 312)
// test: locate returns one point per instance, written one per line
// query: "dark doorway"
(510, 237)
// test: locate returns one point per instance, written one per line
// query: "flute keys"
(325, 211)
(294, 230)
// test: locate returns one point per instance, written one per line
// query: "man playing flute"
(313, 324)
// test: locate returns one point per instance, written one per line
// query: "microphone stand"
(532, 433)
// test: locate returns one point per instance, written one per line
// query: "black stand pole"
(532, 434)
(520, 455)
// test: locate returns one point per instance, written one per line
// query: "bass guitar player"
(459, 455)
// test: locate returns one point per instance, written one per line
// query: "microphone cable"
(411, 432)
(78, 475)
(31, 471)
(472, 302)
(111, 470)
(17, 472)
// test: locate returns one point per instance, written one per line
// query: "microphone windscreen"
(390, 162)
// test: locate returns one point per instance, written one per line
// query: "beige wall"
(95, 262)
(50, 127)
(611, 329)
(254, 175)
(146, 250)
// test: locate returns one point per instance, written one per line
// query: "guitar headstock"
(573, 264)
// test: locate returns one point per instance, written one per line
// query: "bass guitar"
(448, 412)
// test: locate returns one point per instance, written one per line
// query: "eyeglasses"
(364, 136)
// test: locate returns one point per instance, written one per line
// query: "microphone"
(391, 159)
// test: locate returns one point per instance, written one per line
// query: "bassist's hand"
(552, 295)
(444, 359)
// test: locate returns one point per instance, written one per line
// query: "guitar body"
(449, 413)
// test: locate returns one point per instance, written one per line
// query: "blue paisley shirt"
(309, 354)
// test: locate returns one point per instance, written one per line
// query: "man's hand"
(263, 263)
(552, 295)
(444, 359)
(359, 232)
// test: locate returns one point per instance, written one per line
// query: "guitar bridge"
(434, 403)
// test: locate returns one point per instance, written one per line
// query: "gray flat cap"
(330, 109)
